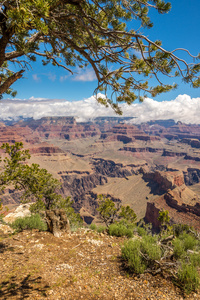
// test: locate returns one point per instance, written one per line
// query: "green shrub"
(101, 229)
(142, 253)
(135, 251)
(184, 242)
(119, 230)
(180, 228)
(188, 278)
(128, 214)
(150, 247)
(32, 222)
(93, 226)
(110, 211)
(130, 253)
(179, 250)
(195, 259)
(189, 241)
(141, 231)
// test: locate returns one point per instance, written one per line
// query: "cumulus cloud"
(80, 75)
(183, 108)
(85, 75)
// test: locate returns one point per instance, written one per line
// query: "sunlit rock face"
(20, 212)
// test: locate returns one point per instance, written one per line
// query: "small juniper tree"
(110, 211)
(164, 219)
(37, 184)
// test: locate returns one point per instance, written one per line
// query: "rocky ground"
(80, 265)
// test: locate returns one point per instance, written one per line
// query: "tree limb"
(10, 80)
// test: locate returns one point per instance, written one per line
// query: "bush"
(179, 250)
(180, 228)
(135, 251)
(130, 253)
(141, 231)
(110, 211)
(195, 259)
(189, 241)
(101, 229)
(184, 242)
(144, 229)
(93, 226)
(119, 230)
(146, 250)
(150, 247)
(188, 278)
(32, 222)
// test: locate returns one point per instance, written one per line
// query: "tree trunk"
(57, 222)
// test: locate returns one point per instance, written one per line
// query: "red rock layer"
(64, 128)
(181, 202)
(126, 133)
(12, 134)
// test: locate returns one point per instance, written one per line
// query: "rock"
(20, 212)
(126, 134)
(181, 203)
(63, 128)
(5, 229)
(46, 149)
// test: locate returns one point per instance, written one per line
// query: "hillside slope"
(80, 265)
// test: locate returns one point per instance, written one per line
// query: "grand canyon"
(151, 167)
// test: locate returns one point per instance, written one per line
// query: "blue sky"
(179, 28)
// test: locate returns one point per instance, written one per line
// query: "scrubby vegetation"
(122, 228)
(32, 222)
(173, 252)
(175, 256)
(99, 228)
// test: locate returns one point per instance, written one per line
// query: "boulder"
(20, 212)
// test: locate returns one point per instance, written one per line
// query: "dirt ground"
(80, 265)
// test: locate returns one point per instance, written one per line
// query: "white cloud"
(85, 75)
(36, 78)
(36, 99)
(80, 75)
(63, 78)
(183, 108)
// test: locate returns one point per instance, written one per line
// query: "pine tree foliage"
(99, 33)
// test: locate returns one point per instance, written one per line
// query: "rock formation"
(63, 128)
(20, 212)
(126, 133)
(181, 202)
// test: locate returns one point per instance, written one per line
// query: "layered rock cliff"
(126, 133)
(181, 202)
(63, 128)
